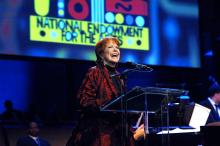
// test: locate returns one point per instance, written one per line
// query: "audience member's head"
(11, 115)
(214, 92)
(33, 129)
(8, 105)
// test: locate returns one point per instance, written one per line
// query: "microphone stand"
(124, 76)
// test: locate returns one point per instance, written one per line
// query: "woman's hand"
(139, 133)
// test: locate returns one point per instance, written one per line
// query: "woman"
(98, 128)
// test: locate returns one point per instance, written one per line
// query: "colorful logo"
(85, 22)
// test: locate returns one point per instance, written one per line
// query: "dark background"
(51, 84)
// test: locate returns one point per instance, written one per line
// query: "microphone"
(133, 65)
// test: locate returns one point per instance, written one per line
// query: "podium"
(146, 100)
(140, 99)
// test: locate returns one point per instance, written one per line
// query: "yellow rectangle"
(68, 31)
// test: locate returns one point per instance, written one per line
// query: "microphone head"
(132, 65)
(127, 64)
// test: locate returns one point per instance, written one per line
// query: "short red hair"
(100, 46)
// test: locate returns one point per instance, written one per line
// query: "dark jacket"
(213, 117)
(28, 141)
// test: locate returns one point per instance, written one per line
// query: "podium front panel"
(142, 99)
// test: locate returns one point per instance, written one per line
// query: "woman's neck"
(109, 64)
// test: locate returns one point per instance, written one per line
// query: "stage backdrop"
(154, 32)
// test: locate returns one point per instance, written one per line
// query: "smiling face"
(107, 51)
(111, 54)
